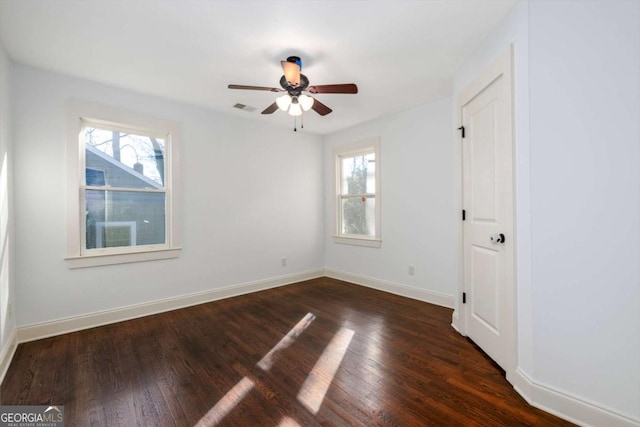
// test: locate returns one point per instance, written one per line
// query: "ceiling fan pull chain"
(295, 129)
(302, 121)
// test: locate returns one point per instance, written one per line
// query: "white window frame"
(81, 113)
(369, 145)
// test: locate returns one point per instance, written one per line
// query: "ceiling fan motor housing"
(294, 90)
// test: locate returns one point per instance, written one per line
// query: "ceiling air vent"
(248, 108)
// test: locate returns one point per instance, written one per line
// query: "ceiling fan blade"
(270, 109)
(270, 89)
(340, 88)
(320, 108)
(291, 72)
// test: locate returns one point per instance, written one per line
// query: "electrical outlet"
(412, 270)
(283, 262)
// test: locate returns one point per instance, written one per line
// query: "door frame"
(501, 66)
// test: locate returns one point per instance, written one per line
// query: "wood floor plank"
(402, 365)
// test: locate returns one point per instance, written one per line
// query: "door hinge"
(464, 215)
(464, 297)
(461, 128)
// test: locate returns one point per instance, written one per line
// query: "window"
(121, 187)
(358, 194)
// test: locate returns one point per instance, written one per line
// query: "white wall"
(7, 234)
(577, 115)
(585, 199)
(250, 196)
(418, 220)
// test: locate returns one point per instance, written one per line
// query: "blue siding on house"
(114, 217)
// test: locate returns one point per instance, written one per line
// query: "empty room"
(336, 213)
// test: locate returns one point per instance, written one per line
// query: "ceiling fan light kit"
(295, 109)
(296, 85)
(292, 105)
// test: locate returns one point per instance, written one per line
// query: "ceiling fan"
(296, 86)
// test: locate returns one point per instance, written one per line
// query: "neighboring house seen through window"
(358, 194)
(124, 192)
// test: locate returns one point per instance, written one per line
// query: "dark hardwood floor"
(267, 359)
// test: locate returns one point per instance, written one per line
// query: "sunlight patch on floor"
(288, 422)
(227, 403)
(315, 386)
(319, 379)
(267, 361)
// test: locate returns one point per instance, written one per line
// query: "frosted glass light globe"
(306, 102)
(283, 102)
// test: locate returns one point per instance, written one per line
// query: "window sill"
(371, 243)
(111, 259)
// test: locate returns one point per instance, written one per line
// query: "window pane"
(123, 159)
(124, 218)
(359, 216)
(359, 174)
(95, 177)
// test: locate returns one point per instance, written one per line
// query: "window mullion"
(127, 189)
(345, 196)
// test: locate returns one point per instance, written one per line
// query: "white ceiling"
(399, 53)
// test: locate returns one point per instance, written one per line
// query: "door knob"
(497, 238)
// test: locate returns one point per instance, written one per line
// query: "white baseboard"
(431, 297)
(567, 406)
(91, 320)
(455, 323)
(7, 352)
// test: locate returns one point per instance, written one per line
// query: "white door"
(488, 232)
